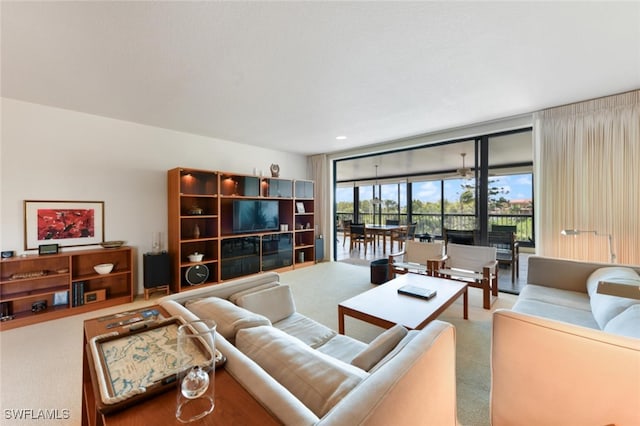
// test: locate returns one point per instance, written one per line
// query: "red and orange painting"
(59, 224)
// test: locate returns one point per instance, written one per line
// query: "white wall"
(54, 154)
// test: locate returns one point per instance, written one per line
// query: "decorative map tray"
(139, 364)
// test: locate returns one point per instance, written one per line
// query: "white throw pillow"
(275, 303)
(627, 323)
(235, 296)
(316, 379)
(603, 306)
(607, 274)
(379, 347)
(228, 317)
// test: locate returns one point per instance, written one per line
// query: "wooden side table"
(234, 405)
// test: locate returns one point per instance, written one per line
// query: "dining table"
(384, 231)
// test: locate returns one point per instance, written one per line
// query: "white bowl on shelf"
(103, 268)
(196, 257)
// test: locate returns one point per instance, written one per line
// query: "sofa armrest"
(550, 372)
(418, 385)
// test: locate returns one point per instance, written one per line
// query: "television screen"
(255, 216)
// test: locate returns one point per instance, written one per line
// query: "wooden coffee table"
(234, 404)
(384, 307)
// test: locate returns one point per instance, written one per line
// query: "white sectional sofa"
(566, 354)
(307, 374)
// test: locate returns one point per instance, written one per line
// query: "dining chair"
(346, 230)
(403, 235)
(475, 265)
(359, 236)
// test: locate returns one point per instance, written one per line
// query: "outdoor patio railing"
(432, 223)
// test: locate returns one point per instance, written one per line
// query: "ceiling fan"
(463, 171)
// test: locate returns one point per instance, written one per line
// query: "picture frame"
(66, 223)
(300, 207)
(61, 298)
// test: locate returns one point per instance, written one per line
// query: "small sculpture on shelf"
(275, 170)
(195, 210)
(196, 231)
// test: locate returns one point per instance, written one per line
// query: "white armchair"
(417, 257)
(475, 265)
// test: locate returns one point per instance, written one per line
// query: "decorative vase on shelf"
(196, 231)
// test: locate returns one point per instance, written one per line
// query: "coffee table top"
(383, 305)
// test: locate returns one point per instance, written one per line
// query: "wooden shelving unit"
(234, 252)
(52, 279)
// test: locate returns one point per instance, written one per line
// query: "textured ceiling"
(294, 75)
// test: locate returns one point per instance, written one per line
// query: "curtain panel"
(587, 177)
(319, 166)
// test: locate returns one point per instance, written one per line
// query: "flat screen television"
(255, 216)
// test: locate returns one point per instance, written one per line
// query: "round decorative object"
(103, 268)
(275, 170)
(112, 244)
(197, 274)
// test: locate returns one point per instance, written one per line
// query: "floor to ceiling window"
(443, 185)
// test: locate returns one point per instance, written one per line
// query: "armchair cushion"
(470, 258)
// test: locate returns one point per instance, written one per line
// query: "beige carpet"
(41, 365)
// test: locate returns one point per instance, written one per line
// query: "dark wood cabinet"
(206, 216)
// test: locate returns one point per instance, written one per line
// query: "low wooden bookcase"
(62, 284)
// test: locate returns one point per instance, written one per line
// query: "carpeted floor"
(41, 364)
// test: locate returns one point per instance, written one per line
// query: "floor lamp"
(612, 256)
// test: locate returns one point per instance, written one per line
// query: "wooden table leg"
(465, 303)
(340, 320)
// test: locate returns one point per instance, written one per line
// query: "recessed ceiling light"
(341, 138)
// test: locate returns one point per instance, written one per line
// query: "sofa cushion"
(229, 317)
(556, 312)
(556, 296)
(235, 296)
(604, 306)
(314, 378)
(275, 303)
(307, 330)
(342, 347)
(379, 347)
(626, 323)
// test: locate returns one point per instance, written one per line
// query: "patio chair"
(508, 251)
(359, 235)
(461, 236)
(417, 257)
(475, 265)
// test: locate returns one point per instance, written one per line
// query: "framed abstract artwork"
(66, 223)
